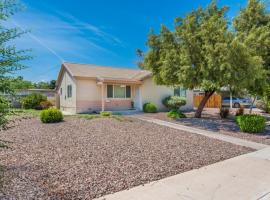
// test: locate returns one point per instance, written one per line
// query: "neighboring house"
(84, 88)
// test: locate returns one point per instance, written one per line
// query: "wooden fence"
(214, 101)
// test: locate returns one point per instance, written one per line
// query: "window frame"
(69, 91)
(121, 98)
(180, 91)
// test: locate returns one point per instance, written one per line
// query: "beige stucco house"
(84, 88)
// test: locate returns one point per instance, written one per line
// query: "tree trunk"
(250, 109)
(200, 108)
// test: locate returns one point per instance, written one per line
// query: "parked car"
(236, 102)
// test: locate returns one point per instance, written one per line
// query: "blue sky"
(99, 32)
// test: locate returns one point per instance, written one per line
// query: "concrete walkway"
(211, 134)
(242, 177)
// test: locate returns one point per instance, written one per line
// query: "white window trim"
(112, 98)
(70, 91)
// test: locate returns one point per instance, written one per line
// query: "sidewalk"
(242, 177)
(211, 134)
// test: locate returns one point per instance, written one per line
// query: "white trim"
(113, 98)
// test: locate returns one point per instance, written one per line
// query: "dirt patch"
(84, 159)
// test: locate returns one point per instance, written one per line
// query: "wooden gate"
(213, 102)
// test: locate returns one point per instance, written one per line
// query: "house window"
(180, 92)
(109, 91)
(69, 91)
(61, 91)
(128, 91)
(118, 91)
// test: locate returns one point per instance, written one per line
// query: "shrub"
(51, 115)
(149, 108)
(175, 114)
(240, 111)
(45, 104)
(106, 114)
(224, 112)
(174, 102)
(33, 101)
(4, 111)
(263, 104)
(251, 123)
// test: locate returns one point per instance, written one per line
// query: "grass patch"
(14, 113)
(118, 117)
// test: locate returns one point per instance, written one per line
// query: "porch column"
(102, 98)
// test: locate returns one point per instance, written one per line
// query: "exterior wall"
(151, 92)
(89, 98)
(189, 97)
(67, 104)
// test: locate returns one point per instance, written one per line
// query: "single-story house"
(85, 88)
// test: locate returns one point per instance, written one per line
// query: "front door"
(137, 98)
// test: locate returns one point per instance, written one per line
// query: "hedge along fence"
(251, 123)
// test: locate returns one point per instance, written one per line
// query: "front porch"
(120, 95)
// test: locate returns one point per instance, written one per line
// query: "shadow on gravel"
(215, 125)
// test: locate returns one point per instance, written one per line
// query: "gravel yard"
(84, 159)
(223, 126)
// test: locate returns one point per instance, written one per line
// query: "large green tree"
(201, 52)
(252, 27)
(10, 56)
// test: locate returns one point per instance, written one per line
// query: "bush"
(45, 104)
(51, 115)
(240, 111)
(149, 108)
(106, 114)
(224, 112)
(264, 105)
(174, 102)
(33, 101)
(175, 114)
(251, 123)
(4, 111)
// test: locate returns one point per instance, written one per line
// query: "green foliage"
(263, 104)
(33, 101)
(149, 108)
(251, 123)
(174, 102)
(106, 114)
(224, 112)
(11, 57)
(89, 116)
(176, 114)
(94, 116)
(252, 27)
(51, 115)
(45, 85)
(4, 111)
(45, 104)
(202, 52)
